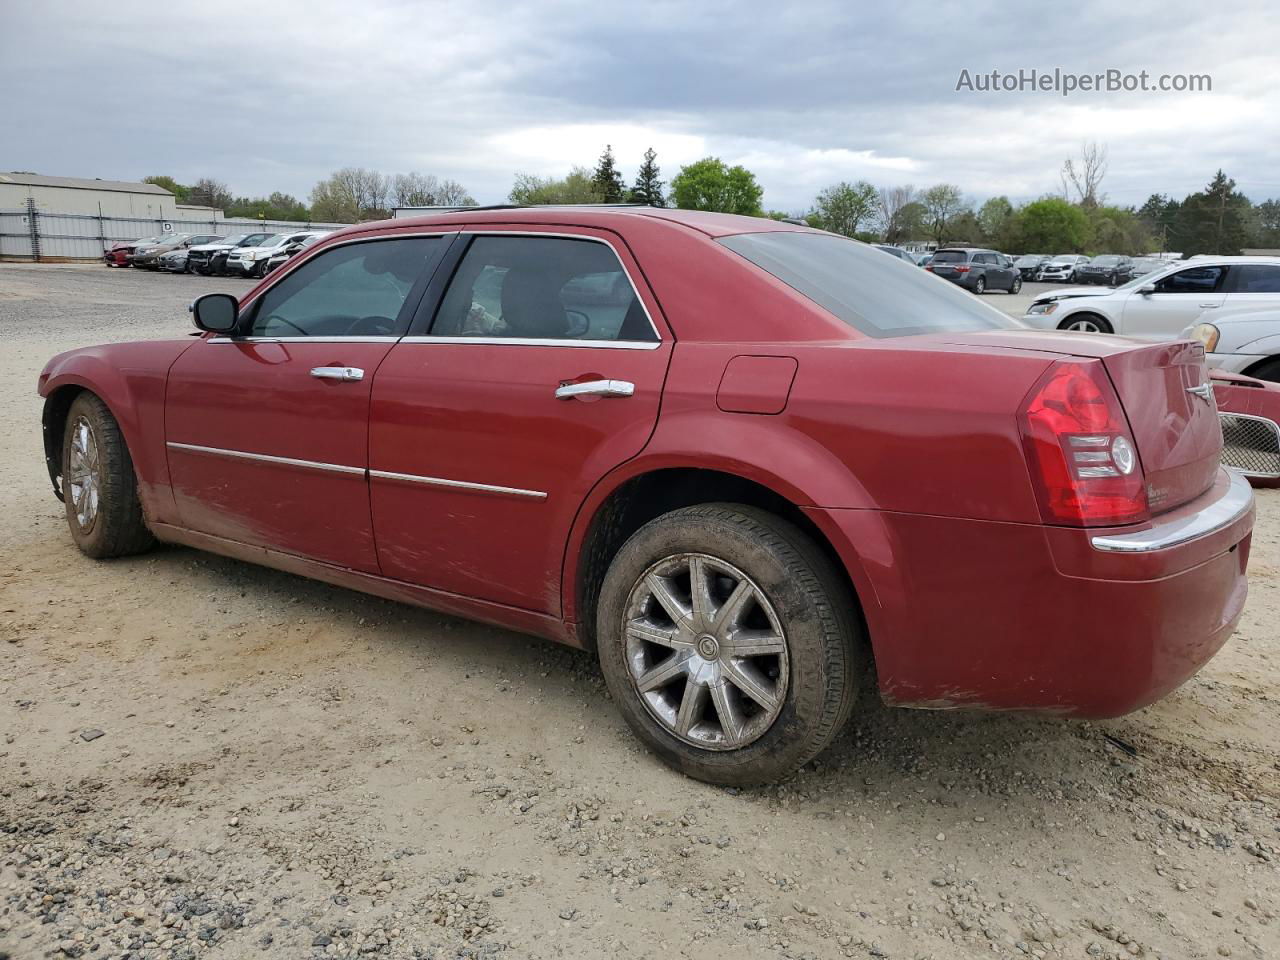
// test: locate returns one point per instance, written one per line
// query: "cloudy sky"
(274, 95)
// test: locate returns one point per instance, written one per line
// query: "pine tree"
(648, 188)
(607, 180)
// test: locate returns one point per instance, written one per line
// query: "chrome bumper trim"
(1226, 510)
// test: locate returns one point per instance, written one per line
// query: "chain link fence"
(29, 234)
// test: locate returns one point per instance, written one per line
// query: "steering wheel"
(381, 326)
(579, 323)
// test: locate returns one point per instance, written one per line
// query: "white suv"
(1061, 268)
(1241, 340)
(252, 261)
(1160, 305)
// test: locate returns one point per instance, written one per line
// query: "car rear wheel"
(1086, 323)
(99, 486)
(980, 286)
(729, 643)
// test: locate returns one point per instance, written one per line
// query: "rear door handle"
(345, 374)
(1209, 306)
(595, 388)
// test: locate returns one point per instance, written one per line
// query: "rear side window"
(872, 293)
(1255, 278)
(542, 288)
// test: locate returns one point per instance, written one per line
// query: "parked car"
(211, 258)
(1029, 264)
(897, 252)
(429, 410)
(1141, 266)
(175, 261)
(922, 258)
(290, 250)
(250, 260)
(148, 256)
(1061, 269)
(1242, 340)
(1107, 269)
(1249, 410)
(1158, 306)
(117, 255)
(975, 269)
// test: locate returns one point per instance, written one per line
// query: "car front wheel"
(980, 286)
(1086, 323)
(99, 486)
(729, 642)
(1016, 286)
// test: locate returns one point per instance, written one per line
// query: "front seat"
(531, 304)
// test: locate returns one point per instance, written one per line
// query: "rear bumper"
(1006, 616)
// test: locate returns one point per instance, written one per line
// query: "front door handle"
(595, 388)
(345, 374)
(1209, 306)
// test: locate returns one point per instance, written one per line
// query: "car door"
(540, 371)
(1176, 301)
(267, 432)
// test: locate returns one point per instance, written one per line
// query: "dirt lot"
(288, 769)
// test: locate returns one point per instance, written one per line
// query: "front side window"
(356, 290)
(1256, 278)
(1195, 280)
(542, 288)
(869, 292)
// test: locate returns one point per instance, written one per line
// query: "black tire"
(1103, 325)
(980, 286)
(1268, 370)
(1016, 286)
(117, 527)
(821, 632)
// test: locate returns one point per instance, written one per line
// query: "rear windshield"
(949, 256)
(878, 296)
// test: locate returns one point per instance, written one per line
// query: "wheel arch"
(53, 422)
(615, 512)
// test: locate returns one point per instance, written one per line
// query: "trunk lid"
(1174, 425)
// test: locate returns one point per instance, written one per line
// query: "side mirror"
(1147, 289)
(215, 312)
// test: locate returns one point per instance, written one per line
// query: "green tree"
(708, 184)
(207, 192)
(965, 227)
(1052, 226)
(606, 179)
(941, 203)
(278, 206)
(648, 188)
(1217, 220)
(995, 218)
(1267, 224)
(578, 187)
(1158, 215)
(179, 191)
(843, 207)
(1118, 230)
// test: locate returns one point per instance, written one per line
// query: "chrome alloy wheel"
(706, 651)
(83, 477)
(1083, 326)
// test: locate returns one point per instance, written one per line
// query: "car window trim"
(416, 292)
(429, 308)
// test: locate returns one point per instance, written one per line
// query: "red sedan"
(749, 463)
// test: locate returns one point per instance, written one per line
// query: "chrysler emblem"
(1204, 392)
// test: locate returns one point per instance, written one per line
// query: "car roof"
(603, 216)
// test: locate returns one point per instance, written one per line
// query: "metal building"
(74, 195)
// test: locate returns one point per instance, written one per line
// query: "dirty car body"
(498, 407)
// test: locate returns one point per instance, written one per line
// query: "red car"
(749, 463)
(117, 255)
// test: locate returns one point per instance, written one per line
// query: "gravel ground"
(205, 757)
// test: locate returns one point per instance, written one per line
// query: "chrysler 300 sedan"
(750, 464)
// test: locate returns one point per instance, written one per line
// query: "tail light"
(962, 269)
(929, 267)
(1083, 460)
